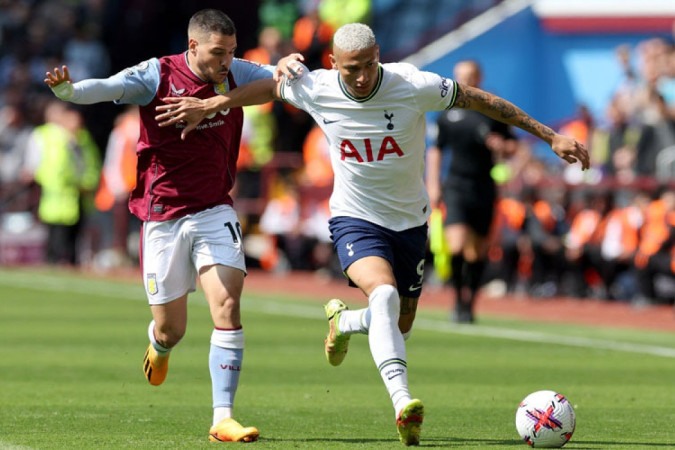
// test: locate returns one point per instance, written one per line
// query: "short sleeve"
(298, 92)
(433, 92)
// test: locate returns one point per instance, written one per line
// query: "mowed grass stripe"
(69, 283)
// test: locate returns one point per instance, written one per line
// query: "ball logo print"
(545, 419)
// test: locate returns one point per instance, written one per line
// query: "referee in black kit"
(474, 142)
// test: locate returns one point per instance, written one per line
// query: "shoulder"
(246, 64)
(408, 76)
(405, 70)
(149, 65)
(318, 79)
(172, 60)
(322, 76)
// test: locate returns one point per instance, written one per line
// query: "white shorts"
(173, 251)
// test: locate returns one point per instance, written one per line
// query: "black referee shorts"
(471, 202)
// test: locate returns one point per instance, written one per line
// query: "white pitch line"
(100, 288)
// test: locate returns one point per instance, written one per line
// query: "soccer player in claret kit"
(182, 196)
(373, 116)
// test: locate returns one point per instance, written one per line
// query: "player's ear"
(333, 61)
(192, 46)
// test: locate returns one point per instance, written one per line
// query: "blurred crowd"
(607, 233)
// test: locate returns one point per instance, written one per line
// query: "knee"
(168, 335)
(384, 300)
(227, 314)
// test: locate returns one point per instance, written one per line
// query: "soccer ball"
(545, 419)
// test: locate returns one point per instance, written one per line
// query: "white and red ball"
(545, 419)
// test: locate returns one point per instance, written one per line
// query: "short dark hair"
(211, 21)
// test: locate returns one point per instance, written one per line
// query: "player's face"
(210, 56)
(358, 69)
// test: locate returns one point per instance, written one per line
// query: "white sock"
(159, 348)
(356, 321)
(220, 413)
(387, 345)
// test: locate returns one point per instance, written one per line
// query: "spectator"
(545, 226)
(615, 143)
(656, 251)
(339, 12)
(656, 135)
(505, 241)
(281, 221)
(85, 54)
(312, 37)
(65, 162)
(14, 135)
(582, 245)
(619, 242)
(117, 181)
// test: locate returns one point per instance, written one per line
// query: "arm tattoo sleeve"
(501, 110)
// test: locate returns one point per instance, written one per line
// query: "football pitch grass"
(71, 348)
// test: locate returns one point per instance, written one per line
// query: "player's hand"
(435, 195)
(58, 76)
(60, 83)
(181, 110)
(570, 150)
(290, 67)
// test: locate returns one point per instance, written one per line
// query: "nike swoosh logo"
(414, 288)
(328, 122)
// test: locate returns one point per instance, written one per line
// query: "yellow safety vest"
(63, 174)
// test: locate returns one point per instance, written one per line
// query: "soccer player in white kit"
(373, 116)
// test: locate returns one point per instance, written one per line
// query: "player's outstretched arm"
(502, 110)
(84, 92)
(191, 110)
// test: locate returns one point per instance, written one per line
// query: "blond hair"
(354, 36)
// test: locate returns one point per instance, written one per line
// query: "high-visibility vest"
(583, 227)
(62, 174)
(119, 169)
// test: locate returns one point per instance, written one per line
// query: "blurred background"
(601, 71)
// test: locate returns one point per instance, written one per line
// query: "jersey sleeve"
(433, 92)
(298, 92)
(245, 71)
(140, 82)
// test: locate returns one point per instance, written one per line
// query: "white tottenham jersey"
(377, 143)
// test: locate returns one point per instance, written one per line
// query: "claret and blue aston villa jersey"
(176, 177)
(377, 143)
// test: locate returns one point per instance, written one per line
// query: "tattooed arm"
(502, 110)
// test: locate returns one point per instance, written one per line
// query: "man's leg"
(387, 344)
(223, 286)
(164, 332)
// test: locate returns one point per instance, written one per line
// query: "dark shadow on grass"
(463, 442)
(426, 442)
(620, 444)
